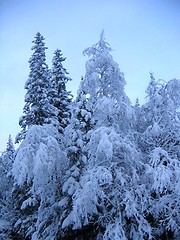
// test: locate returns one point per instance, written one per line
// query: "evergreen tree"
(60, 97)
(139, 118)
(77, 134)
(8, 154)
(38, 170)
(6, 185)
(115, 174)
(37, 109)
(161, 154)
(6, 162)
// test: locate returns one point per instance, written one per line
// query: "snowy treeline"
(96, 167)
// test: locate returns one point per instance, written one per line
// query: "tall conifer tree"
(37, 109)
(60, 97)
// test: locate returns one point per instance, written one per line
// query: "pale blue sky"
(145, 36)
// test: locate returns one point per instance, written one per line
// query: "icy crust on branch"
(108, 113)
(163, 171)
(162, 186)
(88, 198)
(101, 145)
(107, 146)
(115, 231)
(37, 157)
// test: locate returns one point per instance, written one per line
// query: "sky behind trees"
(144, 36)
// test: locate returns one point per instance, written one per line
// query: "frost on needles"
(95, 167)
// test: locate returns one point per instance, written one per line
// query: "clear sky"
(144, 35)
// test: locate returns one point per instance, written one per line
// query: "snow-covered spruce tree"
(108, 198)
(60, 97)
(161, 148)
(83, 111)
(6, 185)
(139, 123)
(6, 182)
(38, 170)
(37, 109)
(77, 135)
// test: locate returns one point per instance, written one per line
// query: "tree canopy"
(94, 167)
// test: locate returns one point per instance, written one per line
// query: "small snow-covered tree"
(38, 170)
(139, 122)
(60, 97)
(6, 181)
(37, 109)
(162, 117)
(162, 181)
